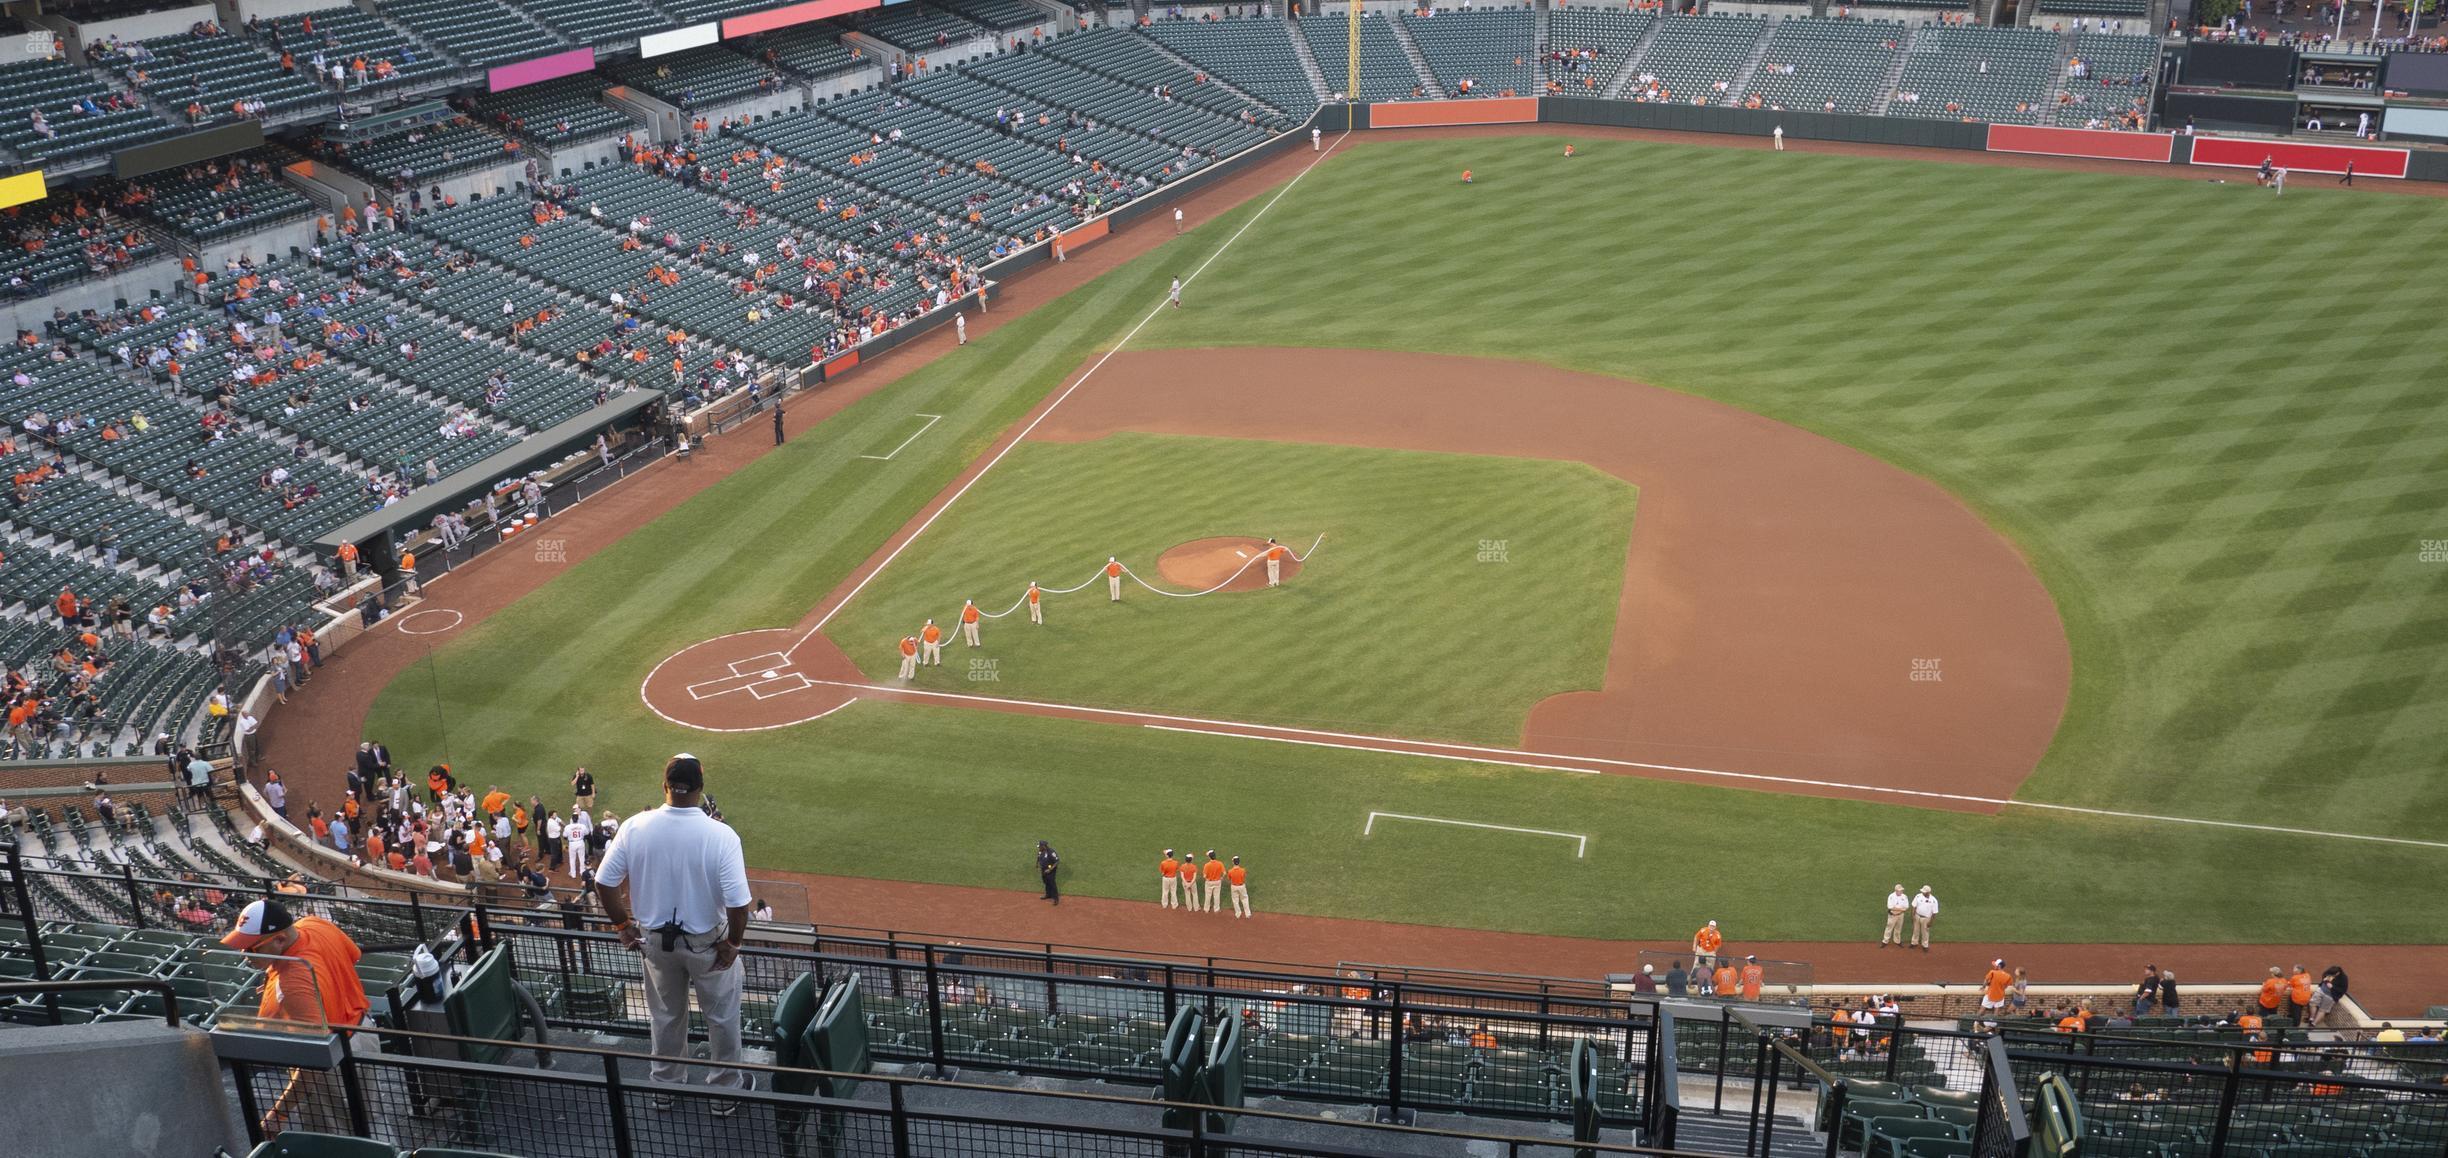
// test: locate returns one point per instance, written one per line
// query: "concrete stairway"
(1412, 53)
(1632, 60)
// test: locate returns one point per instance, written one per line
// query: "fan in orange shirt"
(1752, 976)
(1726, 981)
(1705, 944)
(1994, 986)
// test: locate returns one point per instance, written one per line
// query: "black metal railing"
(411, 1090)
(2003, 1128)
(1396, 1046)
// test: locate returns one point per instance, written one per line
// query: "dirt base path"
(2392, 980)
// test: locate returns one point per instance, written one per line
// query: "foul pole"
(1351, 86)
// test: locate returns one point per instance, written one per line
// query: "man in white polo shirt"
(685, 906)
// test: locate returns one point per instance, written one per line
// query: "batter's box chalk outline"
(763, 665)
(1580, 842)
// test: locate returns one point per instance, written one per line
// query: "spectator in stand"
(2299, 994)
(682, 870)
(2273, 993)
(2146, 991)
(2170, 1004)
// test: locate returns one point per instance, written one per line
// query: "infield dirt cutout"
(1203, 563)
(1796, 615)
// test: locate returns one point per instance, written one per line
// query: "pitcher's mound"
(1203, 563)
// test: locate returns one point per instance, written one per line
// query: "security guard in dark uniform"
(1047, 861)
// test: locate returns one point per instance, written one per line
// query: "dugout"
(633, 416)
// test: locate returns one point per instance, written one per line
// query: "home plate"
(771, 673)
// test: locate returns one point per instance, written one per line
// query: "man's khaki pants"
(909, 665)
(1172, 893)
(1274, 571)
(1920, 935)
(1113, 588)
(1895, 927)
(1036, 613)
(930, 653)
(670, 978)
(969, 632)
(1215, 895)
(1240, 894)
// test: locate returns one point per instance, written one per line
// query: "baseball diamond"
(989, 577)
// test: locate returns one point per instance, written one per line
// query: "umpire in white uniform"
(685, 906)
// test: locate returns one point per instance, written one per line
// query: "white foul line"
(931, 420)
(1396, 746)
(1059, 399)
(1581, 843)
(1386, 751)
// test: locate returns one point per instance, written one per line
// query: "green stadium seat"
(1888, 1135)
(305, 1144)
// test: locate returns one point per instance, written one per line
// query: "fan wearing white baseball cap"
(310, 966)
(310, 976)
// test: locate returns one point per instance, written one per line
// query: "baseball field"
(1684, 533)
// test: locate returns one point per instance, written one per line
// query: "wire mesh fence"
(2251, 1102)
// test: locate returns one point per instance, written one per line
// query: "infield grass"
(1394, 625)
(2216, 420)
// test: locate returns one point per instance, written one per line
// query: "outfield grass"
(2213, 418)
(1394, 624)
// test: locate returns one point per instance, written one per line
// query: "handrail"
(906, 1083)
(169, 993)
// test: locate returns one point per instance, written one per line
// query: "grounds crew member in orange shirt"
(1189, 883)
(1238, 878)
(1113, 579)
(1214, 872)
(1705, 944)
(969, 621)
(1752, 975)
(1036, 614)
(310, 976)
(930, 644)
(1274, 558)
(1169, 893)
(909, 656)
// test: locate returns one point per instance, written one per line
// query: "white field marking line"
(456, 620)
(1381, 751)
(1402, 747)
(1581, 842)
(1059, 399)
(931, 420)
